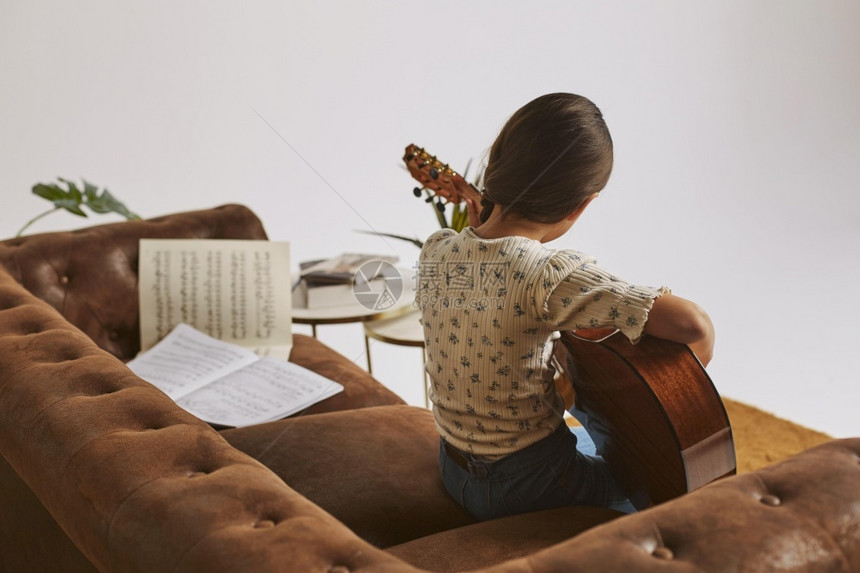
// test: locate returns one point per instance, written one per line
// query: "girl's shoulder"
(557, 264)
(439, 235)
(569, 259)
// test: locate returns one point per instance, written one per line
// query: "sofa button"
(770, 500)
(64, 279)
(663, 553)
(264, 523)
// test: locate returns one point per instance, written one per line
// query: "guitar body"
(663, 427)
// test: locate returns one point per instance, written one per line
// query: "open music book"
(233, 290)
(226, 384)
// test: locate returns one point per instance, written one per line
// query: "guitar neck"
(438, 176)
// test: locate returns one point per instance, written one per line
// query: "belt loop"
(466, 461)
(477, 469)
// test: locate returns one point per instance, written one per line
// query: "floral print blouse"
(491, 311)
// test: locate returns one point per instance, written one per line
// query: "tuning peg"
(440, 206)
(428, 200)
(417, 191)
(409, 157)
(434, 174)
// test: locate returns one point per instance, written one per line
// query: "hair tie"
(487, 206)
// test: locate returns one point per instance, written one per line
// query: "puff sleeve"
(591, 297)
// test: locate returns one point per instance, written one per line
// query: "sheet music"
(226, 384)
(260, 392)
(232, 290)
(186, 360)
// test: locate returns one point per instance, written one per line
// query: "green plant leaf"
(466, 170)
(70, 199)
(460, 218)
(50, 192)
(107, 203)
(414, 240)
(90, 190)
(74, 193)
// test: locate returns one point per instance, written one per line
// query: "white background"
(736, 126)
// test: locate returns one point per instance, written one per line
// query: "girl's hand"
(681, 320)
(472, 198)
(473, 207)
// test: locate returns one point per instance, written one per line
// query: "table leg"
(426, 378)
(367, 353)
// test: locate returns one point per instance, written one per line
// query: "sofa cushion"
(360, 389)
(374, 469)
(491, 542)
(28, 533)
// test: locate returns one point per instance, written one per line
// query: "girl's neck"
(500, 225)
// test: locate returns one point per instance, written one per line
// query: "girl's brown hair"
(550, 156)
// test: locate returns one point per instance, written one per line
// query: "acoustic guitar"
(654, 413)
(651, 408)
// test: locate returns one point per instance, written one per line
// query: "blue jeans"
(550, 473)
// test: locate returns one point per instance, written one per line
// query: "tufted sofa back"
(101, 299)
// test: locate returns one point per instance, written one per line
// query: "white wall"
(736, 124)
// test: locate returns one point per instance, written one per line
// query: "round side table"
(402, 330)
(351, 310)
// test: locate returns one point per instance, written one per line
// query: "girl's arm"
(680, 320)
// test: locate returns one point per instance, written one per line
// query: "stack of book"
(331, 282)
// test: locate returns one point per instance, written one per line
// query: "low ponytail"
(486, 209)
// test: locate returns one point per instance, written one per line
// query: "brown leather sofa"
(101, 471)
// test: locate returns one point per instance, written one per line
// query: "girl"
(493, 300)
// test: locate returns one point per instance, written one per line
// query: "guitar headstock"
(438, 176)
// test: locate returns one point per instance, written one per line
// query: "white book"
(331, 295)
(226, 384)
(342, 268)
